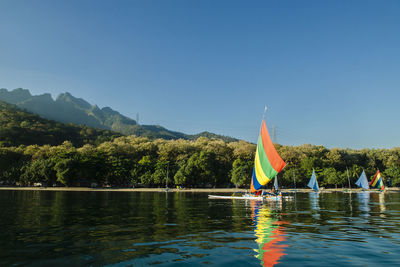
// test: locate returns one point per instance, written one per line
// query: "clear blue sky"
(327, 70)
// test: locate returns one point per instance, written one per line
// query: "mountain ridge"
(67, 108)
(19, 127)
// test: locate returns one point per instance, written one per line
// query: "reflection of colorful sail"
(269, 233)
(267, 162)
(377, 181)
(382, 204)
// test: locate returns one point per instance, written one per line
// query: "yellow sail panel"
(261, 177)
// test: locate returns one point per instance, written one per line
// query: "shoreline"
(198, 190)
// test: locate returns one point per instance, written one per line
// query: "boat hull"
(257, 198)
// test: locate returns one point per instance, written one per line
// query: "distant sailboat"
(377, 181)
(276, 183)
(363, 181)
(313, 183)
(166, 180)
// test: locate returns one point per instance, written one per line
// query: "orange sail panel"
(267, 162)
(276, 161)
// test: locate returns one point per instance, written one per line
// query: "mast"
(348, 178)
(265, 111)
(294, 179)
(166, 180)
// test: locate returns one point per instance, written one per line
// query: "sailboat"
(267, 165)
(276, 184)
(363, 181)
(313, 183)
(166, 180)
(377, 181)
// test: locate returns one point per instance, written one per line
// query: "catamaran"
(267, 165)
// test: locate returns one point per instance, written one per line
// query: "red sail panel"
(275, 160)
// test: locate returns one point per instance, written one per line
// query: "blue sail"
(362, 181)
(276, 183)
(313, 183)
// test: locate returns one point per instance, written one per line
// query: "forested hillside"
(69, 109)
(18, 127)
(33, 149)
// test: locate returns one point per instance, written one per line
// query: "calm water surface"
(138, 229)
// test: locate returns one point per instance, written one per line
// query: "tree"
(159, 176)
(392, 176)
(145, 170)
(65, 171)
(40, 170)
(241, 172)
(332, 177)
(189, 172)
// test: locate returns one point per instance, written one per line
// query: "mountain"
(18, 127)
(69, 109)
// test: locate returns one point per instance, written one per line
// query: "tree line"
(128, 161)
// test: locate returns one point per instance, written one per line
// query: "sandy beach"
(199, 190)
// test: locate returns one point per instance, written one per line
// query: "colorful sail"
(267, 163)
(377, 181)
(363, 181)
(313, 183)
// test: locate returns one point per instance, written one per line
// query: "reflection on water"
(363, 202)
(314, 200)
(269, 233)
(377, 198)
(314, 204)
(382, 204)
(141, 228)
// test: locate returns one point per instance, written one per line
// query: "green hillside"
(69, 109)
(18, 127)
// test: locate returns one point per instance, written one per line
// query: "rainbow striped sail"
(267, 163)
(377, 181)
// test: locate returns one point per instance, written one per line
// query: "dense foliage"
(18, 127)
(138, 161)
(36, 150)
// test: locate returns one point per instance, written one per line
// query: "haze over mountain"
(19, 127)
(69, 109)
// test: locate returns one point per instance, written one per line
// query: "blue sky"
(327, 70)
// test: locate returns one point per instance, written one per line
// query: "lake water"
(44, 228)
